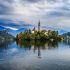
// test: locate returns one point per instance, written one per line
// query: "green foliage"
(20, 36)
(38, 35)
(53, 35)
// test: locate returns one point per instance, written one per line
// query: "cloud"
(6, 7)
(12, 24)
(31, 1)
(31, 7)
(52, 13)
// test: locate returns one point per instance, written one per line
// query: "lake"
(35, 56)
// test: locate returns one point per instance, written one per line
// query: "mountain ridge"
(11, 31)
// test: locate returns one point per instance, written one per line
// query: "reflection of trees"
(66, 42)
(52, 45)
(37, 45)
(5, 44)
(25, 44)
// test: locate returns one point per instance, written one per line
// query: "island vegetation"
(41, 35)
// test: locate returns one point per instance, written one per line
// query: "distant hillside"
(66, 34)
(1, 28)
(5, 36)
(11, 25)
(62, 32)
(11, 31)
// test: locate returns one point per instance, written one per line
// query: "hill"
(11, 31)
(5, 36)
(66, 34)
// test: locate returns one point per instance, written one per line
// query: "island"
(39, 35)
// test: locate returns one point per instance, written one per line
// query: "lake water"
(36, 56)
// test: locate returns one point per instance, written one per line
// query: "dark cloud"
(11, 23)
(61, 11)
(33, 0)
(52, 1)
(10, 1)
(30, 1)
(56, 14)
(59, 14)
(5, 7)
(64, 8)
(7, 22)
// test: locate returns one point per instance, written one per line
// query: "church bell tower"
(39, 26)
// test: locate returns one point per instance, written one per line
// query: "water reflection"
(67, 42)
(6, 44)
(37, 45)
(22, 55)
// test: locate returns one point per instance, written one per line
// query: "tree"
(20, 36)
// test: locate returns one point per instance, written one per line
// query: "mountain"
(66, 38)
(21, 30)
(11, 31)
(66, 34)
(62, 32)
(2, 28)
(9, 25)
(15, 32)
(5, 36)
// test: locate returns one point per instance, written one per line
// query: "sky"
(53, 14)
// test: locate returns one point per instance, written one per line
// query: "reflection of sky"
(55, 14)
(13, 50)
(18, 58)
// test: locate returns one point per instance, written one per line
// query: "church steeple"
(39, 26)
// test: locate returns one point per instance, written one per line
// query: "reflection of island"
(37, 45)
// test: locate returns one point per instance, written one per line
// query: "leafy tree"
(20, 36)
